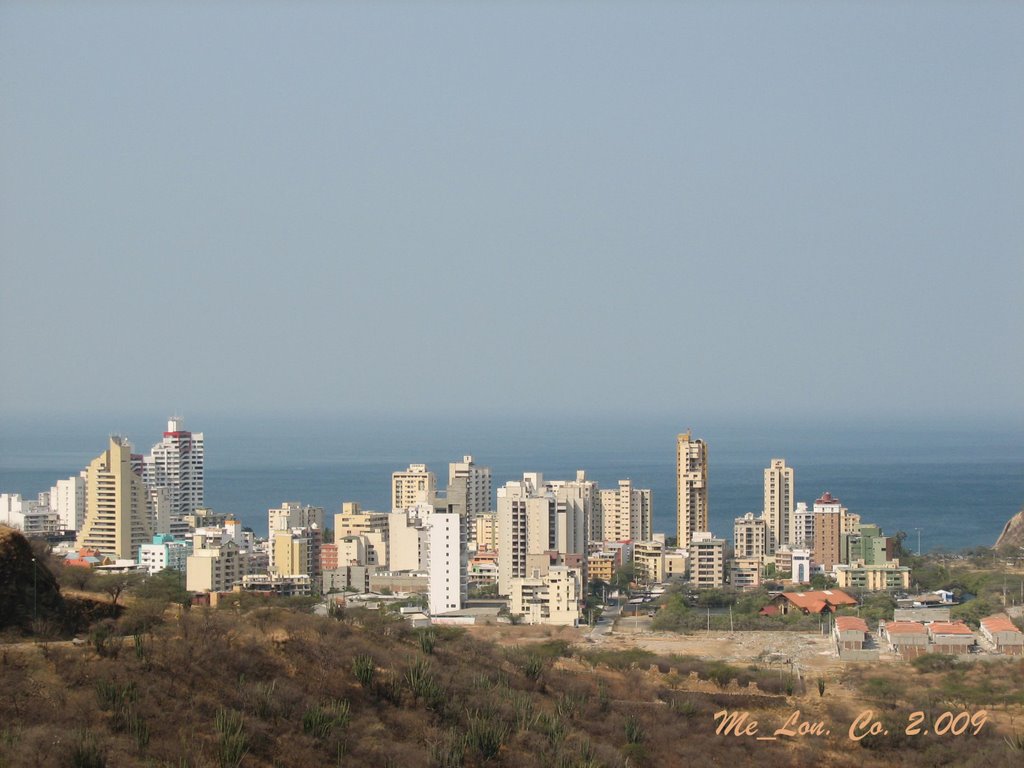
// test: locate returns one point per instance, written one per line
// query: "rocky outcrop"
(1012, 536)
(27, 589)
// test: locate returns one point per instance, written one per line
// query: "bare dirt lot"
(808, 650)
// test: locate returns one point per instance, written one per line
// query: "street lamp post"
(918, 541)
(35, 591)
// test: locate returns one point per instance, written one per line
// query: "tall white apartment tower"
(801, 531)
(412, 486)
(691, 487)
(478, 486)
(778, 504)
(446, 560)
(176, 463)
(67, 499)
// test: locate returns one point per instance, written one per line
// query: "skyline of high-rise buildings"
(538, 527)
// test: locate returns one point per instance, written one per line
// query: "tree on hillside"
(74, 576)
(166, 586)
(114, 584)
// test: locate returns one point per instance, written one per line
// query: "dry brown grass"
(534, 705)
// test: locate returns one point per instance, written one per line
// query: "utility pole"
(35, 593)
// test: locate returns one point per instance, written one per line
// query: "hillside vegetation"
(272, 686)
(262, 682)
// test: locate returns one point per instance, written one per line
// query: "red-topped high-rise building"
(176, 463)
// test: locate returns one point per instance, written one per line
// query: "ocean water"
(957, 484)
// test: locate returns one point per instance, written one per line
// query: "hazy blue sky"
(688, 208)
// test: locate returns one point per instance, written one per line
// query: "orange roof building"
(851, 624)
(1003, 634)
(849, 633)
(825, 601)
(950, 636)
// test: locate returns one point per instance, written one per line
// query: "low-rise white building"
(164, 553)
(28, 516)
(551, 598)
(801, 571)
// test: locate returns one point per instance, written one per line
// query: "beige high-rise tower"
(117, 517)
(778, 503)
(414, 485)
(692, 487)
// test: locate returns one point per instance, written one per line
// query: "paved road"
(605, 623)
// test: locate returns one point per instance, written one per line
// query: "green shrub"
(259, 698)
(424, 686)
(86, 753)
(112, 696)
(935, 662)
(320, 720)
(233, 743)
(485, 733)
(363, 668)
(428, 639)
(450, 750)
(634, 731)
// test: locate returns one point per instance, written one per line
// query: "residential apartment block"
(294, 514)
(745, 572)
(692, 487)
(876, 577)
(215, 569)
(176, 463)
(778, 503)
(625, 513)
(831, 521)
(67, 500)
(478, 486)
(750, 536)
(549, 598)
(707, 561)
(117, 514)
(412, 486)
(164, 552)
(535, 517)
